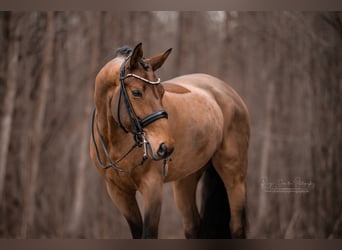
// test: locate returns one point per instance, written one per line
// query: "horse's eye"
(136, 93)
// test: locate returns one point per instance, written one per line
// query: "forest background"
(287, 66)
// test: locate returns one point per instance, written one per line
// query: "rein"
(137, 124)
(104, 148)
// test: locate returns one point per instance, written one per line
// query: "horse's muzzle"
(164, 151)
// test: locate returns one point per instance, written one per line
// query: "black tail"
(215, 212)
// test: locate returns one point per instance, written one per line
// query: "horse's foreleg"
(151, 190)
(184, 192)
(128, 206)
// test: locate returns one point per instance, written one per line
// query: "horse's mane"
(123, 51)
(126, 51)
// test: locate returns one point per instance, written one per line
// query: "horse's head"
(137, 102)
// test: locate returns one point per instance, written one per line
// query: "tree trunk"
(9, 98)
(265, 151)
(33, 165)
(80, 183)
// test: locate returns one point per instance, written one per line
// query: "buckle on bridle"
(140, 139)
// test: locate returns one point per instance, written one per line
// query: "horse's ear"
(157, 61)
(137, 54)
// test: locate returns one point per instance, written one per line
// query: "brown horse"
(146, 133)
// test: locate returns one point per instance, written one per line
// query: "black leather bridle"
(138, 125)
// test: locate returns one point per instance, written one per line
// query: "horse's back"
(226, 97)
(236, 120)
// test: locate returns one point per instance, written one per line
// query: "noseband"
(138, 125)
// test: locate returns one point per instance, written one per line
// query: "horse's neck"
(110, 131)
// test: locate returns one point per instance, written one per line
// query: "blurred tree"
(285, 65)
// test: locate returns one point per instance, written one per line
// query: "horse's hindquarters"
(196, 123)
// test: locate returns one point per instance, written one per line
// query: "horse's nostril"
(162, 151)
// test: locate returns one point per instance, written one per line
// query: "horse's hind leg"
(128, 206)
(184, 192)
(230, 162)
